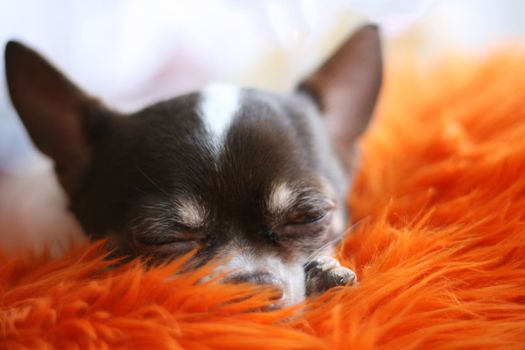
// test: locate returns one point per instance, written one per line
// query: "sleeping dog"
(255, 178)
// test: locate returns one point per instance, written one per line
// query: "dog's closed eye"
(178, 234)
(309, 217)
(300, 224)
(179, 240)
(167, 227)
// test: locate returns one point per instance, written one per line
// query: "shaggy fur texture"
(439, 247)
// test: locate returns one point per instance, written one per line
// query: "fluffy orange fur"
(439, 247)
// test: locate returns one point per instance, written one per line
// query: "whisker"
(336, 240)
(151, 180)
(318, 250)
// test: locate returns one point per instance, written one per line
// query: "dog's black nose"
(259, 278)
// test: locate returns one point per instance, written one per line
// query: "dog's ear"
(57, 114)
(347, 85)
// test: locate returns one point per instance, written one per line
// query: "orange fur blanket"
(439, 248)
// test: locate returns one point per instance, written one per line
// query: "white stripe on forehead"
(217, 107)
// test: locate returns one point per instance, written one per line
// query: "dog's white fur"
(281, 197)
(217, 107)
(292, 275)
(190, 212)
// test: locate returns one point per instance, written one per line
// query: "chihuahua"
(255, 178)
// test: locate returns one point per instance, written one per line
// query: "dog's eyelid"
(306, 216)
(176, 234)
(311, 202)
(187, 227)
(309, 209)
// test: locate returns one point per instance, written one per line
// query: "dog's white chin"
(294, 286)
(291, 275)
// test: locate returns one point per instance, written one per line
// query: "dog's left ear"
(346, 87)
(56, 113)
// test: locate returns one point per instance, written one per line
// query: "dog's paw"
(324, 273)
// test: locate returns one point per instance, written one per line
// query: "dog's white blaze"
(281, 197)
(218, 105)
(190, 213)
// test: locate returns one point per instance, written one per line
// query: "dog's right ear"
(346, 88)
(57, 115)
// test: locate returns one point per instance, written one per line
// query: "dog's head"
(253, 176)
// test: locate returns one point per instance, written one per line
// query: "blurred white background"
(133, 52)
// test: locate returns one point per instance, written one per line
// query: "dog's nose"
(259, 278)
